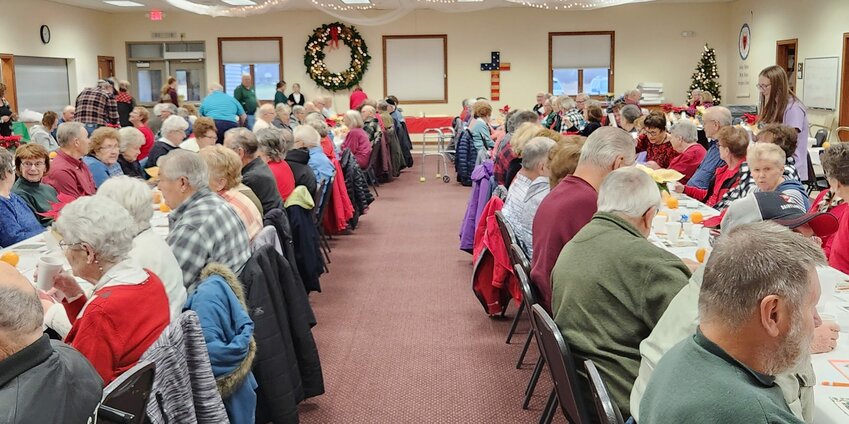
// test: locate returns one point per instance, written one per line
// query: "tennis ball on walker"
(826, 145)
(422, 179)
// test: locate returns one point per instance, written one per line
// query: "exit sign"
(155, 15)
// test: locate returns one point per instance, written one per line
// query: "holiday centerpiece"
(329, 36)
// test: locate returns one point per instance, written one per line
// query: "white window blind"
(580, 51)
(42, 84)
(415, 68)
(250, 51)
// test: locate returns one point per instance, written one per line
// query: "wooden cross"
(495, 67)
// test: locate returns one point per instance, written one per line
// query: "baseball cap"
(779, 208)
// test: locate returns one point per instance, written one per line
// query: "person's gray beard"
(793, 350)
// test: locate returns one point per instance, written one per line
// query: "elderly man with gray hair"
(572, 203)
(299, 114)
(714, 118)
(527, 190)
(757, 315)
(611, 285)
(255, 172)
(685, 140)
(41, 380)
(223, 109)
(282, 117)
(68, 173)
(627, 115)
(204, 228)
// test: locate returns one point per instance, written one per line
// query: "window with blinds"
(581, 62)
(260, 57)
(42, 84)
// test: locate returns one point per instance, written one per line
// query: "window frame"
(610, 72)
(221, 75)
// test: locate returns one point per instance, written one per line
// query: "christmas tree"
(704, 78)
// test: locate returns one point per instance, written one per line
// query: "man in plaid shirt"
(204, 228)
(96, 106)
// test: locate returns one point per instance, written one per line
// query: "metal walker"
(438, 135)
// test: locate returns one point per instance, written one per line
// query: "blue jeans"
(250, 122)
(221, 126)
(90, 128)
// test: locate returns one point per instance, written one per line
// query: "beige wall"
(818, 25)
(649, 46)
(76, 34)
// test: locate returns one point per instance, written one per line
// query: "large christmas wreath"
(329, 36)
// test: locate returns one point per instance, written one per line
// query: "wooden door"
(7, 76)
(844, 84)
(105, 67)
(786, 56)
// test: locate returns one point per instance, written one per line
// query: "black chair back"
(507, 234)
(519, 258)
(528, 294)
(316, 198)
(608, 413)
(125, 399)
(820, 136)
(561, 365)
(325, 199)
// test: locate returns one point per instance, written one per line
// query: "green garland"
(314, 57)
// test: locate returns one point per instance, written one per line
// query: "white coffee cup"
(48, 268)
(688, 229)
(672, 231)
(695, 230)
(658, 223)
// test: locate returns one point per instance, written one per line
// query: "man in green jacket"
(611, 285)
(245, 94)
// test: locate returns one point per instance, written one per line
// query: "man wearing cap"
(96, 106)
(681, 317)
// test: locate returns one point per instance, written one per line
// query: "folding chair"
(322, 199)
(125, 398)
(509, 238)
(561, 365)
(814, 182)
(371, 176)
(530, 300)
(608, 412)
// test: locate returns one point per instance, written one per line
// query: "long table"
(831, 303)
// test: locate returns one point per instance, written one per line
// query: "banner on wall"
(744, 44)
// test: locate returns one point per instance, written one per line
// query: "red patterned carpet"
(402, 339)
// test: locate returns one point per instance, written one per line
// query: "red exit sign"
(155, 15)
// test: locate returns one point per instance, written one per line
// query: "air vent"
(163, 35)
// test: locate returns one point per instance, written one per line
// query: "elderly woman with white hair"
(527, 190)
(298, 158)
(321, 165)
(766, 163)
(272, 149)
(149, 250)
(685, 140)
(204, 228)
(264, 117)
(130, 142)
(96, 236)
(282, 117)
(225, 179)
(357, 140)
(173, 133)
(161, 112)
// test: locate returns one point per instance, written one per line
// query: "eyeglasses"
(39, 164)
(763, 86)
(67, 246)
(654, 133)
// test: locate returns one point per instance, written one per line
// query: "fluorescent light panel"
(356, 1)
(239, 2)
(123, 3)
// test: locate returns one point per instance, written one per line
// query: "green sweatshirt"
(37, 196)
(247, 98)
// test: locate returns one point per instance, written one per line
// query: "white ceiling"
(306, 4)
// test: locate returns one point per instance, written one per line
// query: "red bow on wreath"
(334, 38)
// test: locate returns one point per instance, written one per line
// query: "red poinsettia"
(750, 119)
(505, 109)
(669, 107)
(10, 142)
(56, 207)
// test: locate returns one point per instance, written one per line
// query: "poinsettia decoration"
(328, 36)
(750, 119)
(56, 207)
(10, 142)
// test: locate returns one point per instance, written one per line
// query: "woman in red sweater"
(654, 140)
(835, 164)
(357, 140)
(733, 143)
(128, 308)
(684, 140)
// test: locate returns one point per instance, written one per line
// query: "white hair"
(131, 193)
(607, 144)
(99, 222)
(174, 123)
(282, 109)
(628, 191)
(183, 163)
(316, 120)
(162, 107)
(686, 130)
(535, 152)
(216, 87)
(630, 113)
(355, 118)
(128, 137)
(68, 131)
(567, 103)
(307, 135)
(720, 114)
(766, 152)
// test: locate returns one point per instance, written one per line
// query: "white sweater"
(152, 253)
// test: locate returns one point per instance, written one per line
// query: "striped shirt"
(246, 210)
(206, 229)
(522, 202)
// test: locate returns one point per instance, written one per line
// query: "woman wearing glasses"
(31, 163)
(779, 106)
(17, 221)
(655, 141)
(103, 159)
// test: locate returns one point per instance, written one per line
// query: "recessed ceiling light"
(239, 2)
(123, 3)
(356, 1)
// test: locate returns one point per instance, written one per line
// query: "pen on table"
(835, 383)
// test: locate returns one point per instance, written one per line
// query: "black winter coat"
(356, 184)
(287, 367)
(280, 221)
(298, 160)
(307, 249)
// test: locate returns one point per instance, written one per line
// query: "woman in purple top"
(357, 140)
(779, 106)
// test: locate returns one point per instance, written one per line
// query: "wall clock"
(45, 34)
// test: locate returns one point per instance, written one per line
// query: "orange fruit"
(164, 208)
(10, 258)
(157, 197)
(672, 203)
(696, 217)
(700, 254)
(52, 155)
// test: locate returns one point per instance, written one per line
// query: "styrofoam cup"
(672, 231)
(48, 268)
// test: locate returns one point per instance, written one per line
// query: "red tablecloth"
(417, 125)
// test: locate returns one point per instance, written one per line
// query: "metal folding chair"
(608, 412)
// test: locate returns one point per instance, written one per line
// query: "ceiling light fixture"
(331, 5)
(123, 3)
(239, 2)
(356, 1)
(573, 4)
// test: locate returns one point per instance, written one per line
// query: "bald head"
(21, 314)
